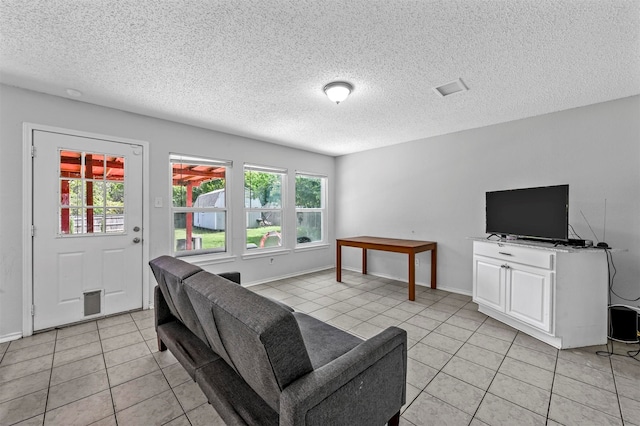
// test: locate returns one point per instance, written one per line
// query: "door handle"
(136, 229)
(136, 240)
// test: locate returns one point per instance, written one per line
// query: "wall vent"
(450, 88)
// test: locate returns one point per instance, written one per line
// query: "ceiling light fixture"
(338, 91)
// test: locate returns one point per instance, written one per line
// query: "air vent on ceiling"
(450, 88)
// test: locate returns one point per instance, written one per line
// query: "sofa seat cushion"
(324, 342)
(188, 349)
(232, 398)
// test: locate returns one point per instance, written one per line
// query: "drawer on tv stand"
(523, 255)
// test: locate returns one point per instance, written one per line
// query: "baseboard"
(418, 283)
(284, 277)
(10, 337)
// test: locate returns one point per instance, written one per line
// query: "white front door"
(87, 235)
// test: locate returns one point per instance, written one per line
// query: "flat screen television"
(539, 213)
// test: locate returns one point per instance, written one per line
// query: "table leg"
(364, 261)
(412, 276)
(434, 266)
(339, 262)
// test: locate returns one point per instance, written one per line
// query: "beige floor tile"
(76, 369)
(131, 370)
(117, 330)
(74, 330)
(490, 343)
(25, 354)
(527, 373)
(176, 375)
(22, 408)
(118, 342)
(591, 396)
(469, 372)
(189, 395)
(428, 410)
(454, 332)
(76, 389)
(497, 332)
(478, 355)
(365, 330)
(165, 407)
(75, 354)
(419, 374)
(205, 415)
(115, 320)
(413, 331)
(568, 412)
(442, 342)
(539, 359)
(523, 394)
(137, 390)
(432, 357)
(455, 392)
(24, 385)
(425, 323)
(25, 368)
(36, 339)
(630, 410)
(77, 340)
(500, 412)
(81, 412)
(125, 354)
(595, 377)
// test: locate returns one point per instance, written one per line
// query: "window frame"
(204, 161)
(284, 173)
(324, 185)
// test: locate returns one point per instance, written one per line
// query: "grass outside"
(216, 239)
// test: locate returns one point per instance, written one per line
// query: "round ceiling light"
(338, 91)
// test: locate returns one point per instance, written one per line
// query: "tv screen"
(529, 212)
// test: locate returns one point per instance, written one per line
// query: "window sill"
(311, 246)
(204, 260)
(266, 253)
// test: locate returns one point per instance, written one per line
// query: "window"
(263, 202)
(310, 208)
(199, 206)
(91, 193)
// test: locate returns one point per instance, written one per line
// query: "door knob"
(136, 229)
(136, 240)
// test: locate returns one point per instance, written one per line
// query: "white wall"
(18, 106)
(433, 189)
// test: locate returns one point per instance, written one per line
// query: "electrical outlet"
(417, 262)
(271, 260)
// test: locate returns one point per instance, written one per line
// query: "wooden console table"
(410, 247)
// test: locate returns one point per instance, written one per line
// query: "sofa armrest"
(231, 276)
(365, 386)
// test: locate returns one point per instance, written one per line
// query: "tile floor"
(463, 368)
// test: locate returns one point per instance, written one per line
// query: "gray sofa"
(260, 363)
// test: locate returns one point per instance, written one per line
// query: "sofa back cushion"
(261, 339)
(170, 273)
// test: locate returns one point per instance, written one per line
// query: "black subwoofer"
(623, 324)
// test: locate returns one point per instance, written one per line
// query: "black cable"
(574, 232)
(611, 278)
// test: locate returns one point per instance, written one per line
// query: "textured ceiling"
(257, 68)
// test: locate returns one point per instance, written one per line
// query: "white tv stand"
(555, 294)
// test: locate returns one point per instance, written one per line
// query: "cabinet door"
(488, 282)
(529, 295)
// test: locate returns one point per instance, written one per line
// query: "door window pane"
(91, 182)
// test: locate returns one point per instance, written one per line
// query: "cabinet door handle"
(505, 253)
